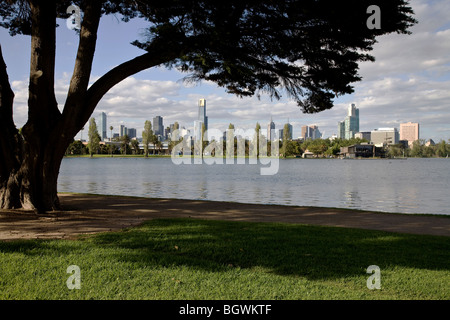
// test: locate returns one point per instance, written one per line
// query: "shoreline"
(246, 157)
(447, 216)
(92, 213)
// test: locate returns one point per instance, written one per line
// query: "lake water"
(406, 186)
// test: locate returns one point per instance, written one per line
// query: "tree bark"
(10, 145)
(30, 160)
(30, 163)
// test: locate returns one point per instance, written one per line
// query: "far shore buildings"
(281, 132)
(363, 135)
(409, 131)
(124, 131)
(384, 136)
(363, 150)
(102, 126)
(202, 120)
(310, 132)
(271, 130)
(350, 126)
(158, 127)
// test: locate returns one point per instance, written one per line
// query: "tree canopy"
(309, 49)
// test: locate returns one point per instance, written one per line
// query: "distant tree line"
(420, 149)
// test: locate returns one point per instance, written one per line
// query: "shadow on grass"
(310, 251)
(313, 252)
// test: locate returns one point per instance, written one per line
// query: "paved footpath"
(86, 214)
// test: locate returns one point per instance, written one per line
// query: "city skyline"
(408, 82)
(349, 128)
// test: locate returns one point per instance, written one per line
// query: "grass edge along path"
(182, 258)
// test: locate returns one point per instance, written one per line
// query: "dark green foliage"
(76, 148)
(308, 49)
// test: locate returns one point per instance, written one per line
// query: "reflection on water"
(203, 190)
(409, 186)
(352, 199)
(92, 187)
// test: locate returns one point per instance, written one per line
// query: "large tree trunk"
(30, 160)
(28, 169)
(10, 145)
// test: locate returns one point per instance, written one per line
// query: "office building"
(384, 136)
(271, 130)
(158, 127)
(202, 120)
(350, 126)
(102, 126)
(363, 135)
(315, 134)
(131, 132)
(123, 130)
(341, 130)
(280, 134)
(304, 132)
(167, 134)
(198, 126)
(202, 112)
(290, 131)
(311, 132)
(351, 122)
(409, 131)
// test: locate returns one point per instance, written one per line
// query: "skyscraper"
(290, 130)
(158, 127)
(311, 132)
(270, 127)
(304, 132)
(350, 126)
(351, 122)
(123, 130)
(315, 133)
(202, 113)
(201, 121)
(198, 125)
(131, 132)
(102, 126)
(409, 131)
(341, 130)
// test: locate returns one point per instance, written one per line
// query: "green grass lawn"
(198, 259)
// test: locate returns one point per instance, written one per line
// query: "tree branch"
(42, 105)
(83, 63)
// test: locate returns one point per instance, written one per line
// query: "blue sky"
(410, 81)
